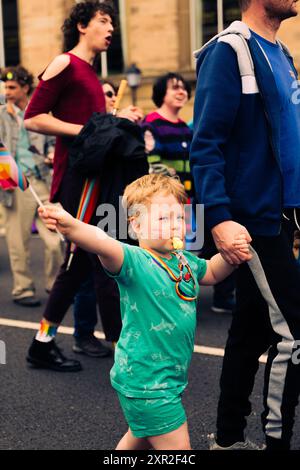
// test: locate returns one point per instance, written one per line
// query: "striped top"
(170, 142)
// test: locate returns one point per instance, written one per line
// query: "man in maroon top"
(69, 89)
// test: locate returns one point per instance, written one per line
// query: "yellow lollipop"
(177, 243)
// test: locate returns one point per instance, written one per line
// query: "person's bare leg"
(129, 442)
(174, 440)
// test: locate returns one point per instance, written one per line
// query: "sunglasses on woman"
(109, 94)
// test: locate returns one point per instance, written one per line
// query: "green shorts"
(152, 416)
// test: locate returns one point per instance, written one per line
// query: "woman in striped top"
(167, 137)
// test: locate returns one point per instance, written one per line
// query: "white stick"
(71, 256)
(36, 197)
(43, 207)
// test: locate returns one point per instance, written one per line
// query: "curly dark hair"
(18, 74)
(161, 85)
(82, 13)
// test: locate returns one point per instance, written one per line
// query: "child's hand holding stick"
(56, 219)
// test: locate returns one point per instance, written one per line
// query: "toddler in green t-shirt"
(159, 285)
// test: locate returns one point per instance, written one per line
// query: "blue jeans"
(85, 309)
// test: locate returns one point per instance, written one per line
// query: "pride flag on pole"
(11, 175)
(87, 206)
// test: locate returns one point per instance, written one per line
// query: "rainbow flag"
(11, 175)
(87, 206)
(88, 201)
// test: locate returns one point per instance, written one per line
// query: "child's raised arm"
(88, 237)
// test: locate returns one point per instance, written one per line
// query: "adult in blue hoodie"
(245, 159)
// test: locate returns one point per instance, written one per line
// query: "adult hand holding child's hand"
(232, 240)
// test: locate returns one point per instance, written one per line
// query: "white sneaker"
(246, 445)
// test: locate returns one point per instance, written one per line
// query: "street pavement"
(40, 409)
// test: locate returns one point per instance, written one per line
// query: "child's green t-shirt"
(156, 344)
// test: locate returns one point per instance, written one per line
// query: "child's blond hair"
(143, 189)
(138, 194)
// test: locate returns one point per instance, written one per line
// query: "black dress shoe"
(49, 356)
(91, 346)
(31, 301)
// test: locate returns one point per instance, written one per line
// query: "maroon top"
(72, 96)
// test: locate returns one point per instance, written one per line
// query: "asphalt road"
(40, 409)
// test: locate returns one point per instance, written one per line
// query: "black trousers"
(68, 282)
(267, 318)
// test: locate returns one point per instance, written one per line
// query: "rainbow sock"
(46, 332)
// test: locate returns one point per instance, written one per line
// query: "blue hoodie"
(235, 153)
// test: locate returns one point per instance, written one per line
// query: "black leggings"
(68, 283)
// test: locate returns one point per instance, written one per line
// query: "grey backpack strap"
(237, 27)
(236, 35)
(245, 62)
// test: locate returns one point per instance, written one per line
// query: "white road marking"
(66, 330)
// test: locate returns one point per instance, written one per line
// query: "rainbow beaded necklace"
(182, 264)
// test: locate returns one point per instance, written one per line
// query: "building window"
(115, 54)
(10, 29)
(232, 12)
(205, 19)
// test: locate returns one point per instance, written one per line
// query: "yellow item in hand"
(177, 243)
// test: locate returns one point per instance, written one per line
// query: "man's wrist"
(215, 228)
